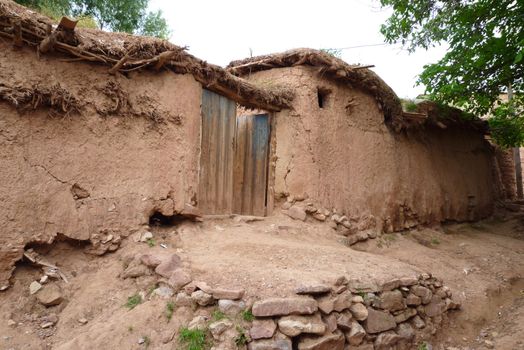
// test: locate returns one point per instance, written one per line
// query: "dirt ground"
(482, 263)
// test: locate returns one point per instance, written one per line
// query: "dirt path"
(482, 263)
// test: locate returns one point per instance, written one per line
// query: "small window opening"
(158, 219)
(322, 96)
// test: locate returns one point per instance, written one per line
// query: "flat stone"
(313, 289)
(331, 322)
(408, 281)
(392, 301)
(179, 278)
(135, 270)
(405, 331)
(326, 304)
(82, 320)
(319, 216)
(262, 329)
(424, 293)
(203, 286)
(280, 343)
(146, 236)
(219, 327)
(333, 341)
(49, 295)
(11, 323)
(344, 321)
(405, 315)
(34, 287)
(357, 299)
(359, 311)
(356, 334)
(436, 307)
(182, 299)
(390, 285)
(386, 340)
(342, 301)
(284, 306)
(231, 307)
(47, 325)
(413, 300)
(294, 325)
(150, 260)
(228, 293)
(202, 298)
(168, 266)
(199, 322)
(296, 212)
(379, 321)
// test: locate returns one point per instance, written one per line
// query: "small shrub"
(247, 315)
(435, 241)
(193, 339)
(170, 308)
(133, 301)
(218, 315)
(151, 242)
(241, 338)
(130, 329)
(147, 341)
(423, 346)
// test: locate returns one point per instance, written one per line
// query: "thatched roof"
(330, 67)
(124, 52)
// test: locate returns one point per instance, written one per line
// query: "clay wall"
(99, 174)
(345, 158)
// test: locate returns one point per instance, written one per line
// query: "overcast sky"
(224, 30)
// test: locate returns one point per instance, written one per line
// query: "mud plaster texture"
(345, 157)
(96, 175)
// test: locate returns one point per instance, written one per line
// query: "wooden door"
(217, 154)
(251, 164)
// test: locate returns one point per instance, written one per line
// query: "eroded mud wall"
(96, 175)
(344, 157)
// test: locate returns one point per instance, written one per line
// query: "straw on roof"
(124, 53)
(331, 67)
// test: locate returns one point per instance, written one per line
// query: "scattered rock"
(34, 287)
(49, 295)
(284, 306)
(386, 340)
(146, 236)
(179, 278)
(11, 323)
(168, 266)
(357, 299)
(333, 341)
(82, 320)
(262, 329)
(313, 289)
(436, 307)
(408, 281)
(198, 322)
(359, 311)
(319, 216)
(203, 286)
(326, 304)
(182, 299)
(231, 307)
(340, 289)
(392, 301)
(163, 292)
(356, 334)
(231, 294)
(342, 301)
(391, 284)
(218, 327)
(202, 298)
(405, 331)
(44, 279)
(331, 322)
(294, 325)
(134, 270)
(296, 212)
(47, 325)
(150, 260)
(379, 321)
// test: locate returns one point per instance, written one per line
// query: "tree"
(128, 16)
(485, 56)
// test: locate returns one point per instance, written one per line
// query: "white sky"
(224, 30)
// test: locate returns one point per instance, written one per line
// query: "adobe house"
(347, 145)
(100, 132)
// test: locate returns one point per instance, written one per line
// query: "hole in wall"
(323, 97)
(160, 220)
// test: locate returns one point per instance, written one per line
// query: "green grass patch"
(435, 241)
(170, 308)
(218, 315)
(241, 338)
(151, 242)
(193, 339)
(133, 301)
(423, 346)
(247, 315)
